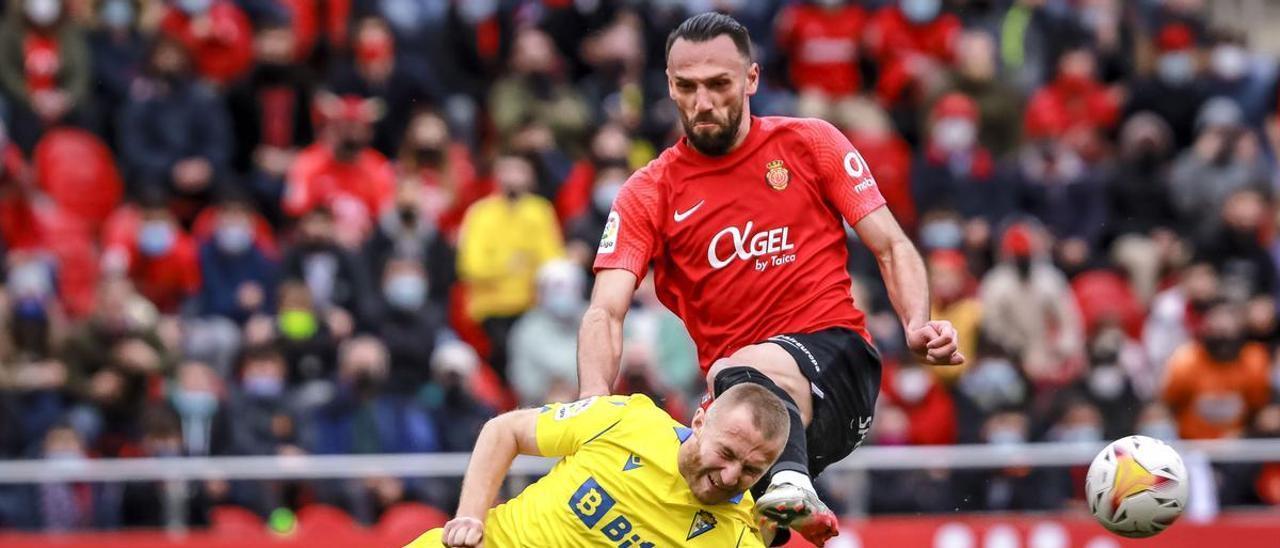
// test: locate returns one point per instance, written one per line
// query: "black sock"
(795, 456)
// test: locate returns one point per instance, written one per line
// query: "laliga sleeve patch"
(573, 409)
(609, 240)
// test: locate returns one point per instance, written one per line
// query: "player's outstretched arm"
(501, 439)
(600, 337)
(932, 342)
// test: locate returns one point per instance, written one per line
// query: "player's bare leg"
(790, 499)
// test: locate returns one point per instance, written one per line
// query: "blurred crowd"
(280, 227)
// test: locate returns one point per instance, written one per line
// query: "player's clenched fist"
(935, 343)
(463, 532)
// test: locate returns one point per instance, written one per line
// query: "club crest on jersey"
(703, 521)
(777, 176)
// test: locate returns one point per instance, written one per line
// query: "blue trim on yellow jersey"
(610, 427)
(683, 433)
(736, 499)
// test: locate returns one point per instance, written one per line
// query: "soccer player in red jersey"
(742, 222)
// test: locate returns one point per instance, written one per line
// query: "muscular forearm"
(905, 277)
(599, 350)
(490, 461)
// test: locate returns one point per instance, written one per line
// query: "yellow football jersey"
(617, 486)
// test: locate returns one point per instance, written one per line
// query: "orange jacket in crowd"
(1212, 399)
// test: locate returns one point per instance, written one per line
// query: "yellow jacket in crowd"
(502, 244)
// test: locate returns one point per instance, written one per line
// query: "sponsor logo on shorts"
(799, 345)
(609, 240)
(591, 503)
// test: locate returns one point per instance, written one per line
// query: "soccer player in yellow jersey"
(631, 477)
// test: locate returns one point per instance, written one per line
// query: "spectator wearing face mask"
(1080, 422)
(439, 172)
(341, 171)
(954, 172)
(378, 71)
(505, 239)
(174, 134)
(305, 337)
(33, 329)
(911, 40)
(821, 43)
(1055, 182)
(64, 506)
(583, 233)
(1029, 311)
(1016, 487)
(217, 32)
(1236, 72)
(1236, 249)
(451, 398)
(669, 353)
(901, 491)
(44, 67)
(119, 50)
(410, 324)
(1175, 91)
(363, 417)
(1176, 312)
(1155, 421)
(1225, 152)
(338, 286)
(927, 403)
(197, 396)
(1117, 370)
(1215, 383)
(408, 232)
(162, 259)
(1089, 108)
(610, 147)
(543, 346)
(272, 114)
(119, 314)
(238, 279)
(264, 424)
(536, 88)
(976, 75)
(1143, 218)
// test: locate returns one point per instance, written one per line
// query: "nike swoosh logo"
(681, 216)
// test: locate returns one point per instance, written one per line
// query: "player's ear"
(753, 78)
(699, 418)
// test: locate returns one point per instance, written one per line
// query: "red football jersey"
(823, 46)
(751, 244)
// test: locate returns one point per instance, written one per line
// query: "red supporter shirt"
(225, 51)
(357, 192)
(822, 46)
(750, 244)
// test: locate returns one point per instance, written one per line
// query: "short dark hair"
(768, 415)
(707, 26)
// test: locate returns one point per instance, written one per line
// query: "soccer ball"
(1137, 486)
